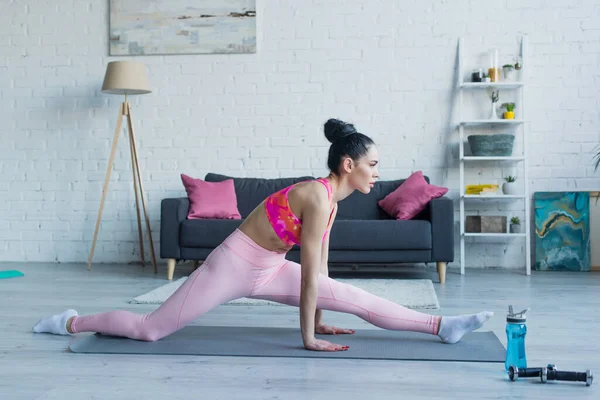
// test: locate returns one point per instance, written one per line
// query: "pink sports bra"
(285, 224)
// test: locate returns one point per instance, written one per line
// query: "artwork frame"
(562, 231)
(179, 27)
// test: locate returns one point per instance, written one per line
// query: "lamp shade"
(126, 77)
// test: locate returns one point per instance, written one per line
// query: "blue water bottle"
(515, 336)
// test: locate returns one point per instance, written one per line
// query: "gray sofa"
(361, 233)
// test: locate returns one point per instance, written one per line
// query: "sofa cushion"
(210, 199)
(380, 235)
(206, 232)
(410, 198)
(364, 206)
(250, 192)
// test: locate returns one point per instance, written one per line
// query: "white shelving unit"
(483, 122)
(519, 160)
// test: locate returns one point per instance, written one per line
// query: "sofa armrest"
(172, 213)
(440, 212)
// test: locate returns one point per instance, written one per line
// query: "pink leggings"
(241, 268)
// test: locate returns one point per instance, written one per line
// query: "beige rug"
(411, 293)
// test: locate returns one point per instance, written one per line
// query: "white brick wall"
(387, 66)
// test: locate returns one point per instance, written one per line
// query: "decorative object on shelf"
(562, 231)
(519, 67)
(515, 225)
(486, 78)
(508, 71)
(510, 110)
(483, 189)
(495, 95)
(510, 186)
(494, 68)
(485, 224)
(518, 63)
(496, 145)
(477, 75)
(142, 27)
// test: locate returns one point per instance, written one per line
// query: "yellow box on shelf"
(482, 186)
(485, 188)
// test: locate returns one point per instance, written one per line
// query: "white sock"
(452, 329)
(56, 324)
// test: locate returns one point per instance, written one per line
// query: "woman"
(251, 263)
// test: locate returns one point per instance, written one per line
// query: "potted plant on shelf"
(508, 69)
(510, 186)
(515, 225)
(510, 110)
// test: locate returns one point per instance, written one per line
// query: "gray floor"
(563, 327)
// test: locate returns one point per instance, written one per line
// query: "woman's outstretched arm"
(315, 216)
(320, 327)
(324, 265)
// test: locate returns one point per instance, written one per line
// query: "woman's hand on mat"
(324, 345)
(332, 330)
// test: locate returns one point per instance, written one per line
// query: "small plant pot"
(518, 75)
(515, 228)
(510, 188)
(509, 115)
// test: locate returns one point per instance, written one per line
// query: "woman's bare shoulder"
(311, 194)
(311, 191)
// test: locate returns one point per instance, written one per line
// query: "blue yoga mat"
(10, 274)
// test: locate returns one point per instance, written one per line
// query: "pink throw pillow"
(411, 197)
(211, 199)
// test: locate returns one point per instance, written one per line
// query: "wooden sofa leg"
(196, 264)
(170, 268)
(441, 269)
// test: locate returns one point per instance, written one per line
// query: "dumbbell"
(514, 372)
(550, 373)
(553, 375)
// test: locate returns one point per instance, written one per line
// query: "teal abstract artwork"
(562, 231)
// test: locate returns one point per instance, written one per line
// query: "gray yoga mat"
(286, 342)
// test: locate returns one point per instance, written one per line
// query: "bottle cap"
(519, 317)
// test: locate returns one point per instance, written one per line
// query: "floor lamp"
(126, 78)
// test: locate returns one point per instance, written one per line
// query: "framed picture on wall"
(567, 231)
(146, 27)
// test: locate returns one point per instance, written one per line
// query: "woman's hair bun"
(336, 129)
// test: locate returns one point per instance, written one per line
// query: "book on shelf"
(482, 189)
